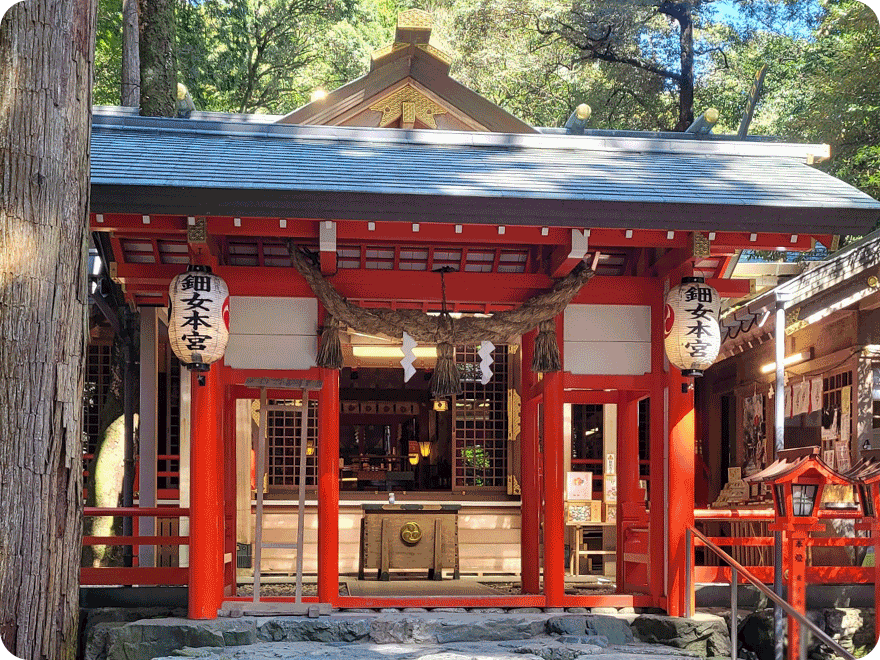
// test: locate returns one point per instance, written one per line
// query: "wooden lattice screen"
(480, 422)
(282, 441)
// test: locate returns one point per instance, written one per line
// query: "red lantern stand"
(797, 479)
(866, 475)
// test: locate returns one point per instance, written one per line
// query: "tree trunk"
(158, 59)
(46, 69)
(131, 57)
(686, 90)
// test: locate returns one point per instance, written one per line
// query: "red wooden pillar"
(627, 470)
(657, 452)
(530, 493)
(206, 498)
(328, 487)
(554, 514)
(681, 487)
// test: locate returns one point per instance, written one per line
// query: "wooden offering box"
(409, 536)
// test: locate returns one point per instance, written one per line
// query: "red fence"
(139, 575)
(749, 542)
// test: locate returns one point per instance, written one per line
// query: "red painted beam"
(732, 240)
(160, 511)
(605, 382)
(594, 397)
(610, 600)
(118, 576)
(135, 540)
(328, 263)
(134, 225)
(445, 233)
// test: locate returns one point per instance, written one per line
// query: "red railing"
(757, 546)
(131, 575)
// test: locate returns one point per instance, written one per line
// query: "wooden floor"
(411, 588)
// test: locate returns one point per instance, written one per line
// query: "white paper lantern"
(692, 336)
(198, 324)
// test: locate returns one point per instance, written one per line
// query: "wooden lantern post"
(797, 478)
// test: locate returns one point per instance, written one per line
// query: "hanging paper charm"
(198, 324)
(408, 357)
(485, 353)
(692, 333)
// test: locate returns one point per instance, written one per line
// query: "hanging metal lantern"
(198, 324)
(691, 330)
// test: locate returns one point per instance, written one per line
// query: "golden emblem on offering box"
(411, 533)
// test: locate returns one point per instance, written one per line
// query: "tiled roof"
(760, 179)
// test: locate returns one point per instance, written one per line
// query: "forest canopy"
(640, 64)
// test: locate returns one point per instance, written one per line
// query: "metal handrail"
(738, 568)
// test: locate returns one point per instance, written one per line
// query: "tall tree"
(46, 68)
(130, 89)
(158, 58)
(669, 40)
(655, 37)
(256, 55)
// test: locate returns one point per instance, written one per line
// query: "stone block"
(616, 630)
(704, 634)
(566, 625)
(303, 629)
(143, 640)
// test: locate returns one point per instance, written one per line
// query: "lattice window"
(644, 440)
(283, 443)
(587, 439)
(96, 384)
(480, 428)
(169, 468)
(97, 381)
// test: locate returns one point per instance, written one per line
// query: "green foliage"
(536, 59)
(108, 53)
(254, 55)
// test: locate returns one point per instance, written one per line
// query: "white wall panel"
(271, 351)
(253, 315)
(629, 358)
(608, 323)
(607, 339)
(272, 333)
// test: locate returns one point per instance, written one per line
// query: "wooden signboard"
(580, 513)
(579, 485)
(610, 488)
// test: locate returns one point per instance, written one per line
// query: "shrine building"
(407, 194)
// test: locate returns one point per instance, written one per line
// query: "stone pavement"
(413, 635)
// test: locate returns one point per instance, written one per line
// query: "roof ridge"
(648, 143)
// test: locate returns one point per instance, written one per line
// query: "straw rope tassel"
(330, 349)
(445, 381)
(546, 357)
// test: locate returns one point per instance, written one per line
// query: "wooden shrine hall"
(387, 180)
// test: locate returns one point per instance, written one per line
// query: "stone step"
(571, 635)
(536, 649)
